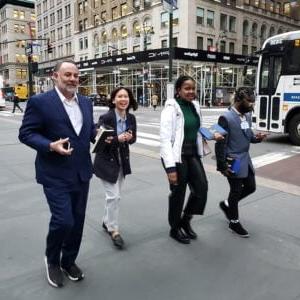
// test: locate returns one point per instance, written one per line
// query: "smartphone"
(67, 145)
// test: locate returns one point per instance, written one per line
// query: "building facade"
(55, 23)
(17, 27)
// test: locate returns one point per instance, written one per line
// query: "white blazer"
(172, 133)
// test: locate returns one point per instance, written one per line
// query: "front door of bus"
(268, 117)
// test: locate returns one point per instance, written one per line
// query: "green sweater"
(191, 120)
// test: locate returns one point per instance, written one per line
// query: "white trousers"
(112, 202)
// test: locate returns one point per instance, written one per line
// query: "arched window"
(254, 30)
(245, 28)
(263, 32)
(136, 29)
(124, 32)
(104, 37)
(272, 31)
(96, 40)
(114, 34)
(147, 22)
(280, 30)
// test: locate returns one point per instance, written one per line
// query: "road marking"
(270, 158)
(148, 135)
(147, 142)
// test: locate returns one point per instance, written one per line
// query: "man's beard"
(245, 110)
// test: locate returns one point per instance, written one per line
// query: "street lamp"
(147, 31)
(221, 36)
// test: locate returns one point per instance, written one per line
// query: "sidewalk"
(217, 266)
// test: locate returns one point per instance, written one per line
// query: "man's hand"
(109, 139)
(218, 136)
(260, 136)
(58, 146)
(228, 172)
(128, 135)
(125, 136)
(173, 178)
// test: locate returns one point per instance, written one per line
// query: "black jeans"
(239, 189)
(190, 172)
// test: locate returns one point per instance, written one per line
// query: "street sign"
(169, 5)
(28, 49)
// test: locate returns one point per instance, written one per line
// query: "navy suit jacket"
(45, 121)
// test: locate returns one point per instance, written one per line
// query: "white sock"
(226, 203)
(234, 221)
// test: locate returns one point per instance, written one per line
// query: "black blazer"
(107, 163)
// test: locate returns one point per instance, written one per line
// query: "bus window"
(277, 71)
(292, 66)
(264, 76)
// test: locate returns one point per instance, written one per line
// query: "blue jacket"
(236, 144)
(45, 121)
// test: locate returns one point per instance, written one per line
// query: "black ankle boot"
(187, 228)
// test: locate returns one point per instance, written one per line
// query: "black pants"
(18, 106)
(239, 189)
(190, 172)
(66, 224)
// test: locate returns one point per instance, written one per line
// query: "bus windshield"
(292, 65)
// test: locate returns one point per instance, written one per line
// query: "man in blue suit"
(59, 126)
(233, 159)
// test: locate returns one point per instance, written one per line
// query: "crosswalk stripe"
(270, 158)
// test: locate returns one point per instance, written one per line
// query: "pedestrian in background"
(112, 164)
(154, 101)
(181, 152)
(234, 149)
(59, 125)
(16, 101)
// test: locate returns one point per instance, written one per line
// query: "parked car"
(98, 99)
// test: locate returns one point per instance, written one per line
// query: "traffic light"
(49, 47)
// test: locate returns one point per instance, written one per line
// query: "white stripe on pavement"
(269, 158)
(148, 135)
(147, 142)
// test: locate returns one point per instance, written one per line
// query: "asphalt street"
(217, 266)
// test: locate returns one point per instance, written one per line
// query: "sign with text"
(169, 5)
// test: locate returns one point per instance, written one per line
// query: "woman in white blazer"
(181, 152)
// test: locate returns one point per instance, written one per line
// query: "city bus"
(2, 98)
(277, 107)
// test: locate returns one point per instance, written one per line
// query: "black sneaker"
(54, 275)
(238, 229)
(73, 272)
(225, 209)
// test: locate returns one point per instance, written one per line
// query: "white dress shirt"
(73, 110)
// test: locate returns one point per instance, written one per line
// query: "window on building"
(114, 34)
(277, 7)
(104, 37)
(96, 3)
(59, 15)
(114, 13)
(136, 28)
(80, 26)
(22, 15)
(16, 28)
(21, 73)
(287, 8)
(222, 47)
(59, 33)
(271, 5)
(124, 32)
(45, 5)
(86, 43)
(164, 43)
(68, 30)
(272, 31)
(68, 11)
(96, 40)
(263, 32)
(52, 19)
(200, 16)
(51, 3)
(164, 20)
(39, 25)
(81, 44)
(103, 2)
(232, 24)
(254, 30)
(22, 28)
(210, 18)
(253, 50)
(247, 2)
(147, 3)
(124, 8)
(38, 9)
(16, 14)
(45, 22)
(52, 36)
(223, 22)
(85, 5)
(263, 4)
(231, 47)
(32, 17)
(256, 3)
(199, 42)
(245, 50)
(85, 24)
(80, 8)
(175, 42)
(210, 43)
(246, 28)
(103, 16)
(96, 20)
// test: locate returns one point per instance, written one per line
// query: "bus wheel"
(294, 130)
